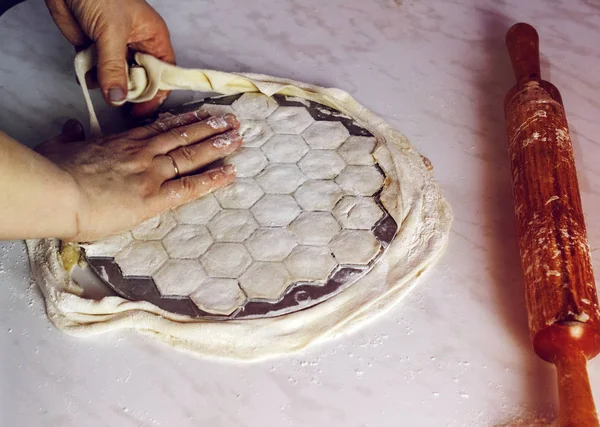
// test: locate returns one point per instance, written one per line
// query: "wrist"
(73, 204)
(38, 199)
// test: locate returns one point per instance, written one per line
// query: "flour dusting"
(411, 196)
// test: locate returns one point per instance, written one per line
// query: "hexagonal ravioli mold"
(322, 164)
(360, 180)
(155, 228)
(187, 241)
(199, 211)
(325, 135)
(179, 277)
(275, 210)
(318, 195)
(219, 296)
(232, 225)
(314, 228)
(265, 280)
(254, 106)
(248, 162)
(357, 150)
(255, 133)
(357, 212)
(290, 120)
(226, 260)
(285, 148)
(108, 247)
(310, 263)
(270, 244)
(217, 110)
(280, 179)
(242, 194)
(355, 247)
(141, 258)
(321, 112)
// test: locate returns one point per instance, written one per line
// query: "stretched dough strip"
(151, 75)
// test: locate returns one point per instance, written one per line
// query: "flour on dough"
(155, 228)
(226, 260)
(271, 244)
(280, 179)
(141, 258)
(289, 120)
(355, 247)
(275, 210)
(232, 225)
(317, 195)
(219, 296)
(218, 110)
(186, 241)
(199, 211)
(310, 263)
(358, 150)
(325, 135)
(322, 164)
(360, 180)
(255, 133)
(357, 212)
(281, 233)
(254, 106)
(179, 276)
(248, 162)
(265, 280)
(109, 247)
(314, 228)
(242, 194)
(285, 148)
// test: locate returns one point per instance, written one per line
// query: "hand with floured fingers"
(128, 178)
(85, 190)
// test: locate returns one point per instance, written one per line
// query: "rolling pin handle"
(523, 46)
(575, 393)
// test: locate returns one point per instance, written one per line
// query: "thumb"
(112, 74)
(72, 131)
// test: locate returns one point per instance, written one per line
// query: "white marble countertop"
(456, 352)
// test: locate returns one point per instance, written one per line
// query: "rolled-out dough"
(412, 198)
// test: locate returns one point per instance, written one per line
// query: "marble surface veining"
(456, 352)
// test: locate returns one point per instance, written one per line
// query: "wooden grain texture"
(561, 297)
(523, 44)
(574, 390)
(559, 281)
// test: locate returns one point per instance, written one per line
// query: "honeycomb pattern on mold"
(306, 191)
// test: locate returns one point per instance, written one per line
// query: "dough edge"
(423, 216)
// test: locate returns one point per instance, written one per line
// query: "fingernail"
(116, 94)
(229, 169)
(232, 119)
(201, 114)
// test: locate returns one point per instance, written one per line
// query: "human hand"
(115, 25)
(123, 180)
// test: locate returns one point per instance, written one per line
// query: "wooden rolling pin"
(562, 303)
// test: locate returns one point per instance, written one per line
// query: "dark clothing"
(7, 4)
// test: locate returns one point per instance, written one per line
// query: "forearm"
(37, 198)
